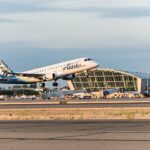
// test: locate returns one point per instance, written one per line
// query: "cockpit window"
(88, 59)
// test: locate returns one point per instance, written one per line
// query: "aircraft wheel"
(42, 85)
(55, 84)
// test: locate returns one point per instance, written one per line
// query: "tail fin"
(4, 68)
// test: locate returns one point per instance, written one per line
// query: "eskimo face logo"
(71, 66)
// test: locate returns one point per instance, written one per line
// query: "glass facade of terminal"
(105, 79)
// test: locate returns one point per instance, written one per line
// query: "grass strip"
(75, 114)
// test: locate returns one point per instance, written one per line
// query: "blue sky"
(40, 32)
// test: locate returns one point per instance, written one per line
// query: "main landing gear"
(55, 84)
(42, 85)
(44, 90)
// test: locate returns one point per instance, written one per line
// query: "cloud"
(99, 8)
(7, 7)
(3, 20)
(124, 12)
(105, 12)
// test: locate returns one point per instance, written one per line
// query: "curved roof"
(135, 74)
(141, 75)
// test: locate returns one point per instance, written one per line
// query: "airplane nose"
(96, 64)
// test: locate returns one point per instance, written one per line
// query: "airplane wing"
(38, 76)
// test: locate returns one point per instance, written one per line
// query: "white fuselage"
(62, 69)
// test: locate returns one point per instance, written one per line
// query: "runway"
(31, 105)
(106, 135)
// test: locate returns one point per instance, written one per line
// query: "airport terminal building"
(103, 79)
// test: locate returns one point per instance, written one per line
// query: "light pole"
(146, 71)
(147, 89)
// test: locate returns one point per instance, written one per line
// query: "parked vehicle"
(2, 97)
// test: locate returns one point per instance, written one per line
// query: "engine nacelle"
(57, 76)
(69, 77)
(62, 76)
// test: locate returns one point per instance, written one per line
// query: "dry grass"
(75, 113)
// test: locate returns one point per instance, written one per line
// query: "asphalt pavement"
(30, 105)
(73, 135)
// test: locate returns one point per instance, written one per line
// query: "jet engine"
(62, 76)
(69, 77)
(57, 76)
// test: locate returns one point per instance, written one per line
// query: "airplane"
(65, 70)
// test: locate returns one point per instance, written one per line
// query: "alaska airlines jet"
(65, 70)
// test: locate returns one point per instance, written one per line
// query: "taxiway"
(105, 134)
